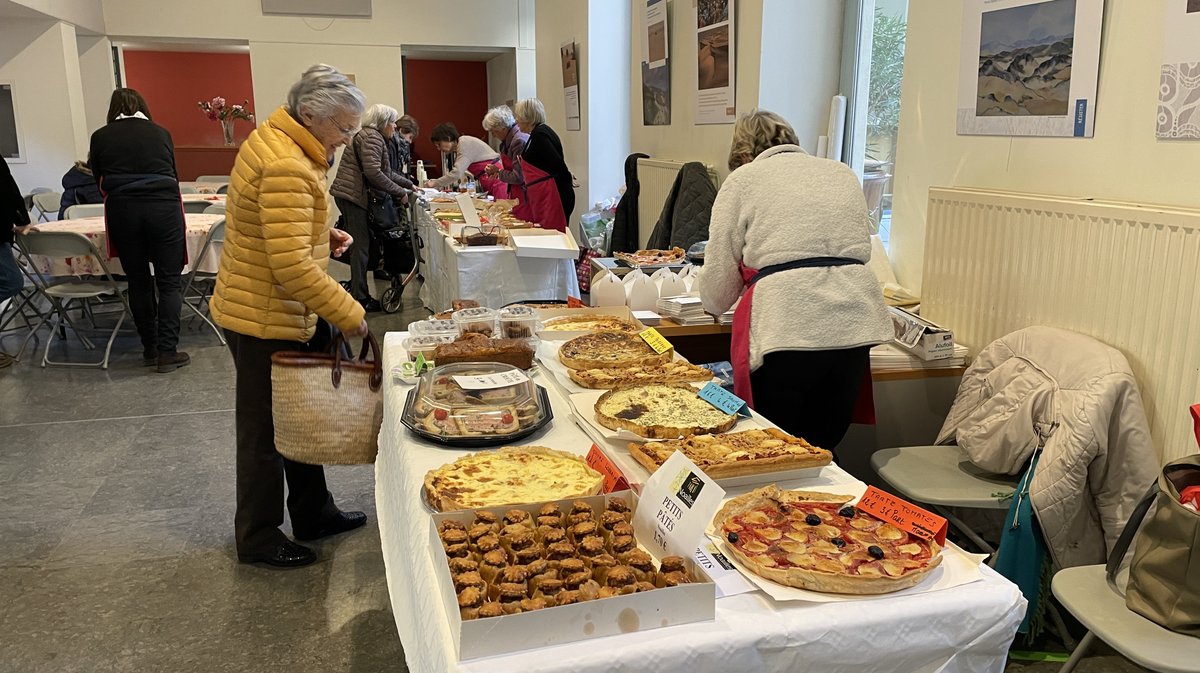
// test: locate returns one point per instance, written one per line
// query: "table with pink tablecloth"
(202, 187)
(198, 227)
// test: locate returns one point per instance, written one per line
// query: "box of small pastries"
(527, 576)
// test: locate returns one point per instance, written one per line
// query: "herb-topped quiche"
(678, 371)
(590, 323)
(599, 350)
(660, 411)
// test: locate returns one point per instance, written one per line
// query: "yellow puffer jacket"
(272, 282)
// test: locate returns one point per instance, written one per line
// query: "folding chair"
(84, 210)
(25, 305)
(223, 189)
(214, 209)
(196, 207)
(197, 300)
(62, 291)
(47, 204)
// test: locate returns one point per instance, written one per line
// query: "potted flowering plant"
(217, 110)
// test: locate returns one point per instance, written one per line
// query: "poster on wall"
(1179, 80)
(715, 101)
(10, 136)
(570, 76)
(656, 66)
(1029, 67)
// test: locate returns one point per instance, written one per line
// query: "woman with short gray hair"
(792, 231)
(368, 190)
(544, 153)
(500, 123)
(272, 286)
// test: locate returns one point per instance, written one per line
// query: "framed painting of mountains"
(1029, 67)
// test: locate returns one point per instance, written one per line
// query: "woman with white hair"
(271, 288)
(793, 231)
(501, 125)
(368, 191)
(543, 164)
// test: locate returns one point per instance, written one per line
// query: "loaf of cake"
(472, 347)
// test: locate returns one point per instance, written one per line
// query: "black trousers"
(359, 254)
(261, 471)
(145, 233)
(811, 394)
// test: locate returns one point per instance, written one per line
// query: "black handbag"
(382, 217)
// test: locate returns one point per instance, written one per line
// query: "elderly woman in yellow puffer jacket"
(271, 287)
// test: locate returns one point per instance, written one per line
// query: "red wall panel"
(172, 82)
(445, 91)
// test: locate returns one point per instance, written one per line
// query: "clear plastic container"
(433, 327)
(519, 322)
(476, 402)
(425, 344)
(479, 320)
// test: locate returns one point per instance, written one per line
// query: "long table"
(198, 226)
(493, 275)
(968, 628)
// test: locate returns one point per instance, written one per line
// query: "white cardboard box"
(545, 243)
(927, 340)
(545, 314)
(476, 638)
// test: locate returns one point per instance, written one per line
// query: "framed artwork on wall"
(10, 130)
(1029, 67)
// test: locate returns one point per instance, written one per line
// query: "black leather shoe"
(287, 555)
(371, 305)
(339, 523)
(150, 357)
(169, 362)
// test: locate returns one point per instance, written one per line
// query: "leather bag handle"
(369, 342)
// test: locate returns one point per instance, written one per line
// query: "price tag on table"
(904, 515)
(656, 341)
(724, 400)
(676, 505)
(614, 480)
(501, 380)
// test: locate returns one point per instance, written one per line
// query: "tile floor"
(116, 507)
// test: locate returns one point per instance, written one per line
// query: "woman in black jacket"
(133, 160)
(79, 187)
(545, 150)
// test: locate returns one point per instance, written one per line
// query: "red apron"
(487, 183)
(541, 204)
(739, 352)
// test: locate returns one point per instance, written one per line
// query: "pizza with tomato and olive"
(817, 541)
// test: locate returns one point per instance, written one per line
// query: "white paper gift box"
(641, 293)
(607, 290)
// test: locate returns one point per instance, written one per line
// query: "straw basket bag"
(327, 409)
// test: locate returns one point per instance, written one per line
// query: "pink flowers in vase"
(217, 110)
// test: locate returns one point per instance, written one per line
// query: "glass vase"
(227, 130)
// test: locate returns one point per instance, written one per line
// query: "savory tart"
(652, 257)
(816, 541)
(735, 454)
(678, 371)
(511, 475)
(600, 350)
(590, 323)
(660, 411)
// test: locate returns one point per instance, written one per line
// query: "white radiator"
(1126, 274)
(656, 177)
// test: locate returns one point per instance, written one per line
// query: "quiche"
(600, 350)
(509, 476)
(677, 371)
(816, 541)
(590, 323)
(651, 257)
(660, 411)
(735, 454)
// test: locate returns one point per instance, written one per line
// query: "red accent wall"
(172, 82)
(445, 91)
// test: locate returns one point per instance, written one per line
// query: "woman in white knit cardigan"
(792, 230)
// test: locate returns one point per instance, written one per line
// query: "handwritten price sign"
(613, 479)
(656, 341)
(904, 515)
(724, 400)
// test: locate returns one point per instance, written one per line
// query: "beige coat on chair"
(1095, 465)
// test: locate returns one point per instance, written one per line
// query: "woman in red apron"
(791, 230)
(501, 125)
(471, 156)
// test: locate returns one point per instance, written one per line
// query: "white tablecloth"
(492, 275)
(198, 226)
(967, 628)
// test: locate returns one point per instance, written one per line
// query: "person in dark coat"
(133, 160)
(14, 219)
(625, 224)
(544, 150)
(79, 187)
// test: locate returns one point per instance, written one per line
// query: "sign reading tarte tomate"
(678, 371)
(660, 411)
(816, 541)
(510, 476)
(735, 454)
(609, 349)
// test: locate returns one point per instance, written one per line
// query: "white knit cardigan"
(783, 206)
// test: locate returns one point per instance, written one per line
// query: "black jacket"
(545, 151)
(12, 204)
(685, 215)
(79, 186)
(625, 225)
(127, 153)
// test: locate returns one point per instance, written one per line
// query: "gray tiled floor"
(116, 507)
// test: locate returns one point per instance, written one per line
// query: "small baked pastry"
(567, 597)
(617, 504)
(570, 566)
(560, 551)
(514, 516)
(671, 564)
(575, 580)
(642, 564)
(463, 565)
(590, 546)
(549, 588)
(551, 520)
(622, 578)
(490, 610)
(623, 543)
(527, 555)
(623, 529)
(487, 543)
(487, 518)
(583, 530)
(672, 579)
(469, 600)
(513, 575)
(611, 518)
(462, 550)
(511, 596)
(552, 535)
(477, 531)
(644, 586)
(531, 604)
(580, 506)
(601, 564)
(550, 509)
(493, 562)
(451, 524)
(469, 579)
(453, 536)
(518, 542)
